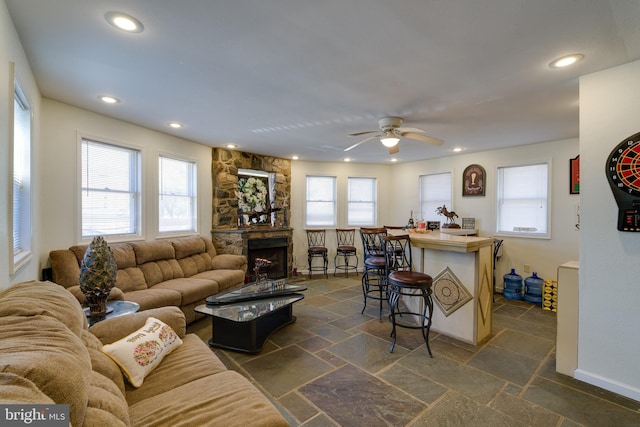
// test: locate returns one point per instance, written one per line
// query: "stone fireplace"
(274, 243)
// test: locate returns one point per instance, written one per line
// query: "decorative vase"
(97, 275)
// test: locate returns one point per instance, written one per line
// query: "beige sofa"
(49, 356)
(179, 272)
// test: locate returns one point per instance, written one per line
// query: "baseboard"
(607, 384)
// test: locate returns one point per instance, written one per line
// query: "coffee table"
(242, 319)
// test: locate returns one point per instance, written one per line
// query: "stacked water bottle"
(513, 287)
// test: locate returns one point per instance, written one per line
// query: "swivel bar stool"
(405, 284)
(374, 284)
(345, 250)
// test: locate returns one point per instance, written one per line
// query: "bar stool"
(346, 250)
(317, 249)
(374, 284)
(405, 283)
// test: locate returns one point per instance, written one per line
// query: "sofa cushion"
(154, 298)
(226, 279)
(102, 363)
(15, 388)
(46, 299)
(106, 405)
(115, 294)
(226, 396)
(65, 268)
(44, 351)
(153, 251)
(171, 373)
(188, 246)
(140, 352)
(158, 271)
(191, 289)
(194, 264)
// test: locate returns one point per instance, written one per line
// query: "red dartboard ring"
(623, 166)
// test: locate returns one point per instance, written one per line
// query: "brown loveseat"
(179, 272)
(49, 356)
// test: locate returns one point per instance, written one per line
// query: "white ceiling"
(285, 77)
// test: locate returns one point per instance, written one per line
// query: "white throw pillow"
(140, 352)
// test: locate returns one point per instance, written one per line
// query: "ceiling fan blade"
(423, 138)
(361, 142)
(395, 149)
(363, 133)
(403, 129)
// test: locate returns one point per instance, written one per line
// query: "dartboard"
(623, 173)
(623, 166)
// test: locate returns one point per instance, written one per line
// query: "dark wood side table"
(114, 309)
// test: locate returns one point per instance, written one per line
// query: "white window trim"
(19, 260)
(525, 235)
(375, 201)
(335, 202)
(156, 204)
(140, 235)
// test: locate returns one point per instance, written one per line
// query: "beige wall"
(608, 344)
(59, 184)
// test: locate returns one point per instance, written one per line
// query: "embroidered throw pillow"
(141, 351)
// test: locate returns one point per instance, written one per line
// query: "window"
(177, 202)
(110, 190)
(523, 206)
(321, 201)
(21, 188)
(435, 191)
(362, 198)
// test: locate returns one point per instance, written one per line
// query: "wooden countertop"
(446, 242)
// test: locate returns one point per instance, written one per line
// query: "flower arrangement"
(252, 194)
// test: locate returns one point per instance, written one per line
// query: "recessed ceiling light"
(176, 125)
(566, 60)
(393, 160)
(294, 157)
(457, 149)
(347, 159)
(231, 146)
(108, 99)
(124, 22)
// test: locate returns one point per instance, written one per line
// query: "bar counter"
(462, 269)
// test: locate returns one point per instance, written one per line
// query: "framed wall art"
(574, 175)
(473, 181)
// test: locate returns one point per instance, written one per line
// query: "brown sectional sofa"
(48, 355)
(179, 272)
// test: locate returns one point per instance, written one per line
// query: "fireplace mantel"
(236, 241)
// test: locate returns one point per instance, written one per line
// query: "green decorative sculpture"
(97, 275)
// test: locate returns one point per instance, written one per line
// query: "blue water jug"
(513, 285)
(533, 287)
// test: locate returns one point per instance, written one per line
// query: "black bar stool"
(403, 282)
(346, 250)
(317, 249)
(374, 284)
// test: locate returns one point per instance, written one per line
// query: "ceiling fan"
(390, 133)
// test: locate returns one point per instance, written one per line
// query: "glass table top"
(255, 291)
(245, 311)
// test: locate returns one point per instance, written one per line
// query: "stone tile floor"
(332, 367)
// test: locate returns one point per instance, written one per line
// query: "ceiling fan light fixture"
(389, 139)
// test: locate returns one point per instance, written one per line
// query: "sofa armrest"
(229, 262)
(111, 330)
